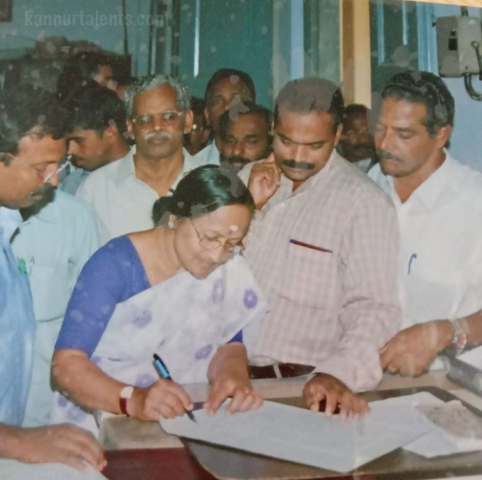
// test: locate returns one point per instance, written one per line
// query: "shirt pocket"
(433, 294)
(310, 277)
(51, 290)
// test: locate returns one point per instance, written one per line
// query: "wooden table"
(144, 451)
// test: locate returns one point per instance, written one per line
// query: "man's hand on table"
(243, 396)
(63, 443)
(165, 398)
(411, 351)
(264, 180)
(326, 387)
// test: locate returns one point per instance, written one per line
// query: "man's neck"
(119, 150)
(159, 173)
(405, 186)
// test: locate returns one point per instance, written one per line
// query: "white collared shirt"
(123, 203)
(209, 155)
(440, 263)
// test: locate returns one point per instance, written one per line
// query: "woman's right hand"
(165, 398)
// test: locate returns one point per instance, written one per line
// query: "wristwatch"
(459, 337)
(125, 394)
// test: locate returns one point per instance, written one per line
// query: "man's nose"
(238, 149)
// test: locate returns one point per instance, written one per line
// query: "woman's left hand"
(243, 396)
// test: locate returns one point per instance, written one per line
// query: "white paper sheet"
(301, 436)
(456, 429)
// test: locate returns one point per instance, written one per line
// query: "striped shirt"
(326, 257)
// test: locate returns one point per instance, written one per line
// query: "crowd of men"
(362, 272)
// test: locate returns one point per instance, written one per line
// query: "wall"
(95, 20)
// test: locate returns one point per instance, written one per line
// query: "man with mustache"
(356, 141)
(98, 133)
(323, 246)
(123, 192)
(439, 206)
(227, 88)
(245, 134)
(32, 142)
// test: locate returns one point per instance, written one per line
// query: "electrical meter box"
(456, 53)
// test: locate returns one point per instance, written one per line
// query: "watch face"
(127, 392)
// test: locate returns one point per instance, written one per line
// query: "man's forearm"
(229, 361)
(9, 442)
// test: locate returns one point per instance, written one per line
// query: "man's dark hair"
(355, 109)
(243, 108)
(25, 110)
(427, 89)
(96, 108)
(201, 191)
(307, 95)
(224, 73)
(78, 70)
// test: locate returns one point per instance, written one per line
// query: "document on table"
(456, 429)
(301, 436)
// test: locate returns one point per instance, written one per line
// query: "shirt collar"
(9, 222)
(431, 189)
(127, 167)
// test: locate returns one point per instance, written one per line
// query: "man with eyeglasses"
(123, 192)
(32, 142)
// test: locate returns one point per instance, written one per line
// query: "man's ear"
(443, 135)
(206, 116)
(130, 129)
(339, 131)
(188, 121)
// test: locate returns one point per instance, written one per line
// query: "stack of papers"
(455, 428)
(301, 436)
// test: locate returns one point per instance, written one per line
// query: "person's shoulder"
(209, 155)
(72, 206)
(466, 182)
(358, 184)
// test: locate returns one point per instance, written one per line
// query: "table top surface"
(144, 451)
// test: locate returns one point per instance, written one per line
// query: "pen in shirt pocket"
(307, 245)
(30, 266)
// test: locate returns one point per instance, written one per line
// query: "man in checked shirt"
(323, 246)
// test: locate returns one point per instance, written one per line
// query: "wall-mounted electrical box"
(456, 53)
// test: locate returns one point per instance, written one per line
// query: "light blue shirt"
(54, 246)
(17, 327)
(72, 182)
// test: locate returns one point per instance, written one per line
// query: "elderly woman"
(181, 291)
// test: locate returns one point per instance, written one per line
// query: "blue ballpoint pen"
(164, 373)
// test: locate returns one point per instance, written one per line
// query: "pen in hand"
(164, 373)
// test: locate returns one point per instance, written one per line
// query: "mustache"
(235, 159)
(299, 165)
(158, 136)
(46, 190)
(384, 155)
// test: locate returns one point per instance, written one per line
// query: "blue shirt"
(17, 326)
(113, 274)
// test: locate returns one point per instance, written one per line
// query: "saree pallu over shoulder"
(184, 320)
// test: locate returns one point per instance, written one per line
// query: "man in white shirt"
(439, 206)
(123, 192)
(52, 245)
(98, 134)
(227, 87)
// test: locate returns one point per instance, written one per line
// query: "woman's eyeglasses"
(210, 243)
